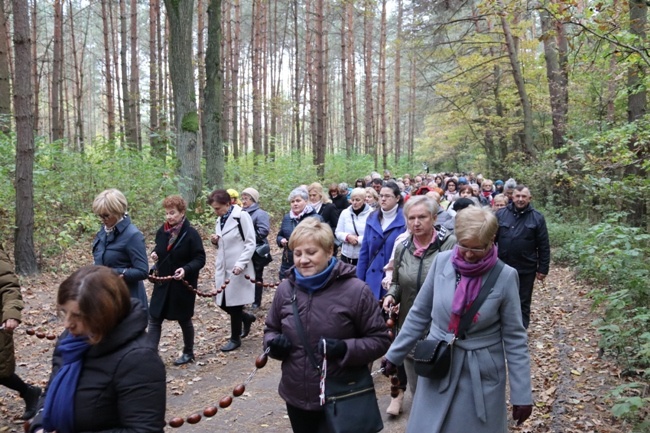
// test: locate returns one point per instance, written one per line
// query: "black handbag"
(433, 358)
(351, 403)
(350, 399)
(262, 255)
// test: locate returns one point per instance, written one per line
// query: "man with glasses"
(523, 243)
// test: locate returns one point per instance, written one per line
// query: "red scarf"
(173, 232)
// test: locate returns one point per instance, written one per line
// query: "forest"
(159, 96)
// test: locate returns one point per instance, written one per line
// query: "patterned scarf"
(306, 210)
(172, 232)
(470, 283)
(58, 412)
(224, 218)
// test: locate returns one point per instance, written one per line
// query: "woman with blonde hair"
(322, 204)
(119, 244)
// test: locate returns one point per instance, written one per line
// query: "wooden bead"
(239, 390)
(30, 331)
(225, 402)
(194, 418)
(40, 334)
(227, 281)
(260, 362)
(50, 336)
(248, 277)
(210, 411)
(390, 323)
(391, 335)
(176, 422)
(394, 391)
(394, 380)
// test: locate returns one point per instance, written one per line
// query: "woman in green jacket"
(11, 304)
(412, 260)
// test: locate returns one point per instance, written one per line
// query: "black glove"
(388, 368)
(521, 413)
(336, 349)
(280, 347)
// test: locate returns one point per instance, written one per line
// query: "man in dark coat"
(523, 244)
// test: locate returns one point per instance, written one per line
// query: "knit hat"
(232, 193)
(462, 180)
(498, 182)
(253, 193)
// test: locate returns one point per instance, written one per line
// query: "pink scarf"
(469, 285)
(294, 216)
(420, 249)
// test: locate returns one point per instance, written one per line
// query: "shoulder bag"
(433, 358)
(349, 400)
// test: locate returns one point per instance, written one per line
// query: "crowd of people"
(420, 248)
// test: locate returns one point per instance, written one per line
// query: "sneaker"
(31, 401)
(184, 359)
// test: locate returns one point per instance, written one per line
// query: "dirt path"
(570, 380)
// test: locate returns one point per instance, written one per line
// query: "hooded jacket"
(344, 309)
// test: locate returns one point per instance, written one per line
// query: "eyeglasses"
(104, 216)
(473, 250)
(386, 196)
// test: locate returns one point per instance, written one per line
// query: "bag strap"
(301, 331)
(466, 319)
(353, 224)
(241, 231)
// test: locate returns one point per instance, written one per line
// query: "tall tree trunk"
(234, 99)
(369, 139)
(296, 84)
(352, 74)
(256, 79)
(78, 59)
(381, 87)
(187, 122)
(157, 145)
(131, 140)
(24, 234)
(321, 139)
(116, 67)
(636, 100)
(57, 69)
(412, 106)
(518, 77)
(347, 108)
(200, 66)
(226, 67)
(110, 102)
(213, 139)
(35, 73)
(5, 93)
(398, 84)
(134, 88)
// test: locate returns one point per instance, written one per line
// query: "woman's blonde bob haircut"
(311, 229)
(359, 192)
(318, 189)
(475, 223)
(110, 201)
(428, 203)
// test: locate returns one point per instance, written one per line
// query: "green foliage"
(632, 403)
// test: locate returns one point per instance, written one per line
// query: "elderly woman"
(178, 254)
(471, 397)
(119, 244)
(352, 224)
(11, 305)
(261, 223)
(300, 209)
(234, 238)
(372, 198)
(323, 206)
(412, 260)
(106, 376)
(382, 228)
(332, 304)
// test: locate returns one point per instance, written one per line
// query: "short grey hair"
(302, 192)
(431, 205)
(359, 192)
(510, 184)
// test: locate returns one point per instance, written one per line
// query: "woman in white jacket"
(235, 241)
(352, 223)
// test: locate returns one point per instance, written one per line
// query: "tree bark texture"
(5, 93)
(131, 140)
(108, 74)
(134, 82)
(636, 100)
(57, 72)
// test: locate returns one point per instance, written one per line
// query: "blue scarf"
(58, 412)
(315, 282)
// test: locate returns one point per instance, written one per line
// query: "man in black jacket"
(523, 244)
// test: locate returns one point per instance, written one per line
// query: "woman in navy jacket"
(119, 244)
(382, 228)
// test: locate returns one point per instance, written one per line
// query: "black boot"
(248, 320)
(31, 397)
(184, 359)
(231, 345)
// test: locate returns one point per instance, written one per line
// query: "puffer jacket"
(343, 309)
(122, 386)
(409, 271)
(352, 224)
(11, 304)
(523, 240)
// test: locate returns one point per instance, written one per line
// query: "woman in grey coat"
(472, 396)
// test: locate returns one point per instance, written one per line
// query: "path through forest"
(570, 380)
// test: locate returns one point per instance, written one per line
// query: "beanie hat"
(232, 193)
(498, 182)
(253, 193)
(462, 179)
(462, 203)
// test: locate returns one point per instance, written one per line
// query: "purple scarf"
(469, 285)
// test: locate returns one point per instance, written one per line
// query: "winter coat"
(122, 385)
(286, 228)
(171, 299)
(261, 223)
(376, 249)
(523, 240)
(341, 202)
(410, 271)
(233, 251)
(472, 397)
(330, 215)
(11, 304)
(343, 309)
(123, 250)
(352, 224)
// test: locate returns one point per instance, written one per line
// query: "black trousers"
(349, 260)
(306, 421)
(187, 327)
(526, 283)
(259, 283)
(16, 383)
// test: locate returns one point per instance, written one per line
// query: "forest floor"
(571, 382)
